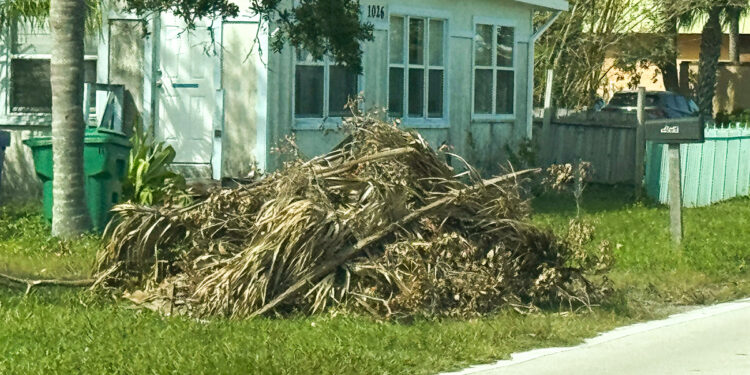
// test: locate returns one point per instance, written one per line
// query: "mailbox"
(684, 130)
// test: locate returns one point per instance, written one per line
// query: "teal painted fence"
(711, 172)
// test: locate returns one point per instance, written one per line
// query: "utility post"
(546, 146)
(675, 193)
(640, 143)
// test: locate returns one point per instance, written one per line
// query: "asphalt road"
(713, 340)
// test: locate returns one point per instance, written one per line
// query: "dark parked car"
(659, 104)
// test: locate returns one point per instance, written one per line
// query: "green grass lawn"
(26, 247)
(57, 330)
(711, 266)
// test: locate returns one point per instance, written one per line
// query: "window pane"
(38, 40)
(343, 87)
(397, 40)
(670, 100)
(483, 91)
(308, 91)
(396, 92)
(416, 92)
(89, 76)
(436, 42)
(505, 46)
(693, 106)
(483, 45)
(504, 92)
(302, 55)
(307, 58)
(91, 44)
(435, 97)
(32, 40)
(30, 89)
(682, 104)
(416, 41)
(30, 85)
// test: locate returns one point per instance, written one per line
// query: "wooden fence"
(716, 170)
(607, 143)
(711, 172)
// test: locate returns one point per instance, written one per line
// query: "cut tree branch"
(30, 283)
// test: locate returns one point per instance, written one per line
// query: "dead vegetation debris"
(382, 224)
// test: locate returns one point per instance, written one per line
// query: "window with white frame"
(321, 87)
(416, 69)
(494, 74)
(30, 53)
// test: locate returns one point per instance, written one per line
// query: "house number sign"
(375, 14)
(376, 11)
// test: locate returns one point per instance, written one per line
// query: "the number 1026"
(376, 11)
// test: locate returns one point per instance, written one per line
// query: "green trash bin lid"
(102, 135)
(92, 135)
(38, 142)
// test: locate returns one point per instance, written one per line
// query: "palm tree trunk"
(669, 66)
(734, 34)
(709, 62)
(70, 215)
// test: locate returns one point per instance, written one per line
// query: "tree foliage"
(597, 37)
(36, 13)
(712, 14)
(322, 27)
(577, 46)
(709, 62)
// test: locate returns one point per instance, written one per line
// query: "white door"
(187, 96)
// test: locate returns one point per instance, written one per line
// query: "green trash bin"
(105, 160)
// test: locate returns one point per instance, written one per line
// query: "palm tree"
(711, 41)
(674, 15)
(733, 19)
(668, 67)
(70, 215)
(708, 65)
(68, 20)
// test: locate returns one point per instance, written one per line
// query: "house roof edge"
(561, 5)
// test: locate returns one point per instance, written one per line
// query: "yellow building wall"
(731, 79)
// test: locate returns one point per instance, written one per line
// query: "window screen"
(416, 82)
(494, 75)
(322, 88)
(30, 88)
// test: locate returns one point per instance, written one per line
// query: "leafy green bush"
(150, 180)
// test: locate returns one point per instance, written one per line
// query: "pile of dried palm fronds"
(381, 224)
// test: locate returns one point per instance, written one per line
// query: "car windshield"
(630, 99)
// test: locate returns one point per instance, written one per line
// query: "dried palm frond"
(382, 224)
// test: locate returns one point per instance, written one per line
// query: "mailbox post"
(674, 132)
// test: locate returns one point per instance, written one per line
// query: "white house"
(458, 71)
